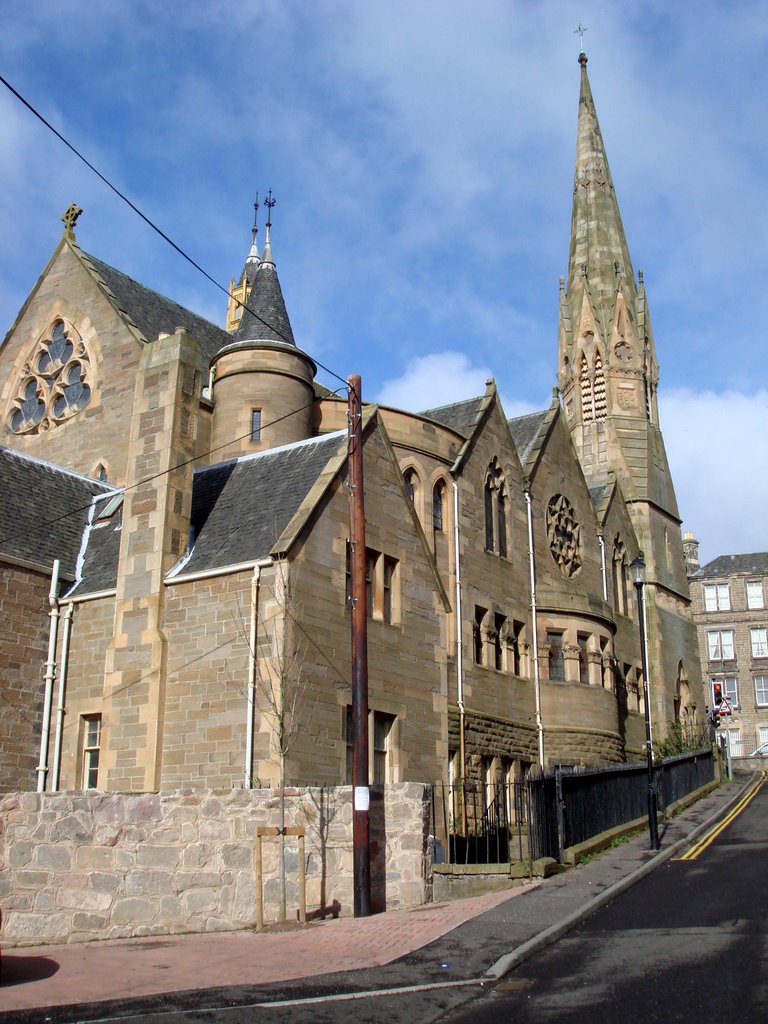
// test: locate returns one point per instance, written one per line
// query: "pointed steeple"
(599, 255)
(265, 317)
(240, 290)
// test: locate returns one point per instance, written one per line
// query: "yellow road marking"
(715, 831)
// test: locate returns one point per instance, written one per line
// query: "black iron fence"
(560, 807)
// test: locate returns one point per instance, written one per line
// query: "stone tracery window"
(55, 383)
(564, 535)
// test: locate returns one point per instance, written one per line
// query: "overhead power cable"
(150, 223)
(24, 527)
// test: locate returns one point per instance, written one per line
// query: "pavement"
(463, 943)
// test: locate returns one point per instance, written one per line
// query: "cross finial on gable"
(69, 217)
(581, 30)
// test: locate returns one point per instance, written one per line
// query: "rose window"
(55, 383)
(563, 534)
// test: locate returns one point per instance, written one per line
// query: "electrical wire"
(24, 528)
(150, 223)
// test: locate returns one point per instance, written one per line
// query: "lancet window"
(592, 382)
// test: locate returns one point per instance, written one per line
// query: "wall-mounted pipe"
(603, 567)
(265, 563)
(61, 704)
(50, 672)
(535, 630)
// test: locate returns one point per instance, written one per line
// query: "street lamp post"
(638, 578)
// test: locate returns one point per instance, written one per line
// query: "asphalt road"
(687, 943)
(679, 945)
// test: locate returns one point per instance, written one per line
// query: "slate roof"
(265, 317)
(98, 569)
(43, 510)
(524, 431)
(153, 313)
(725, 565)
(459, 416)
(240, 508)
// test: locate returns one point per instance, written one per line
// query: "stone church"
(174, 552)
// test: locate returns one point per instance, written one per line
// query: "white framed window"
(735, 741)
(730, 686)
(755, 594)
(720, 644)
(762, 735)
(91, 750)
(761, 690)
(717, 597)
(759, 642)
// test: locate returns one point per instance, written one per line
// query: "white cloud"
(439, 379)
(716, 448)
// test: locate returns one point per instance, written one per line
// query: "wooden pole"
(361, 793)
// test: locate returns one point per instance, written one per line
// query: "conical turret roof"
(265, 317)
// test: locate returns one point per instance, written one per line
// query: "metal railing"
(552, 810)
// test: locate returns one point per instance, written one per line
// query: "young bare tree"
(282, 692)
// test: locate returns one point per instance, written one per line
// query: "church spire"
(599, 255)
(265, 317)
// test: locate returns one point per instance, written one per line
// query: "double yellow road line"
(715, 831)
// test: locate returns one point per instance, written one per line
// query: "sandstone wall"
(96, 865)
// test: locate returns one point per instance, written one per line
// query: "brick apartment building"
(730, 608)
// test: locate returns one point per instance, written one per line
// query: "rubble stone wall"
(78, 866)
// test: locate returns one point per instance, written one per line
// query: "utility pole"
(360, 827)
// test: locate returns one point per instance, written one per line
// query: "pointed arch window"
(438, 507)
(495, 502)
(592, 382)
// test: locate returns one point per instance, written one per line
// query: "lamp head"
(638, 570)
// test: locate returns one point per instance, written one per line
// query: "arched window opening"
(587, 408)
(438, 507)
(411, 482)
(598, 390)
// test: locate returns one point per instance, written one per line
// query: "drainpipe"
(50, 672)
(252, 661)
(603, 569)
(61, 706)
(535, 629)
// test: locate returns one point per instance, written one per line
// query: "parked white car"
(761, 751)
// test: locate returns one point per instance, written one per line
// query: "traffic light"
(717, 694)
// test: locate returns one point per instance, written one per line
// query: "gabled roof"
(241, 508)
(726, 565)
(150, 312)
(43, 510)
(525, 431)
(459, 416)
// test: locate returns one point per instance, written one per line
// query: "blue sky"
(422, 158)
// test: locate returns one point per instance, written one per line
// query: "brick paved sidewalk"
(130, 968)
